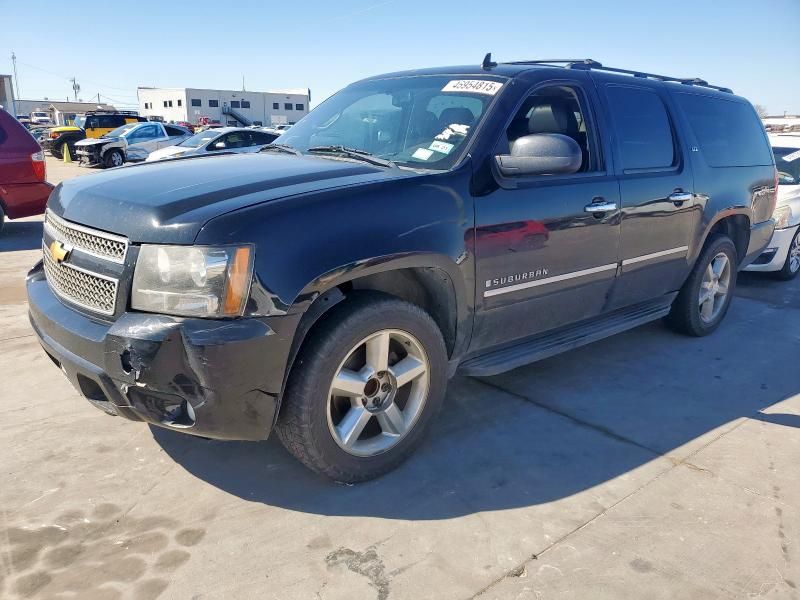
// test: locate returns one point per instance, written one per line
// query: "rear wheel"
(114, 158)
(56, 151)
(792, 265)
(364, 389)
(706, 295)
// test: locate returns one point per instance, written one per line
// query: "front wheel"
(364, 389)
(706, 295)
(114, 159)
(791, 267)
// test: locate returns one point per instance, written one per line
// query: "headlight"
(193, 281)
(782, 216)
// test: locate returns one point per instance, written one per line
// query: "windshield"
(787, 160)
(419, 122)
(198, 139)
(79, 121)
(121, 131)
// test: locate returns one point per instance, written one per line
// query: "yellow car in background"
(93, 124)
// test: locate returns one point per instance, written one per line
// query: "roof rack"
(131, 113)
(589, 64)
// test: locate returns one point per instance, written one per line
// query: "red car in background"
(23, 189)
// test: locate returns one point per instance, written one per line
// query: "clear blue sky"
(752, 46)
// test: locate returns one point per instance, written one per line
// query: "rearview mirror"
(541, 154)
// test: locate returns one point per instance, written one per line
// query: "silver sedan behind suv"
(782, 256)
(225, 139)
(129, 143)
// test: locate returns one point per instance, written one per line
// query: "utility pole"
(16, 78)
(243, 83)
(75, 88)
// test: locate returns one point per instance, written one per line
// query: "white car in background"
(225, 139)
(782, 255)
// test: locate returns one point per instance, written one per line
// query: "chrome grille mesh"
(103, 245)
(81, 287)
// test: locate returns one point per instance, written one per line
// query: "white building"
(229, 107)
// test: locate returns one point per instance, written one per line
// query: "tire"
(312, 415)
(114, 158)
(56, 152)
(791, 267)
(686, 315)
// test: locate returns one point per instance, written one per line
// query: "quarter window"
(728, 132)
(643, 129)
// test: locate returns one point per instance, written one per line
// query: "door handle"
(680, 197)
(600, 206)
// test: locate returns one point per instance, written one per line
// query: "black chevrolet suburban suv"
(414, 226)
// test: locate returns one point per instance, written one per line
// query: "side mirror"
(219, 146)
(541, 154)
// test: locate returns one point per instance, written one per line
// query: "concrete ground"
(648, 465)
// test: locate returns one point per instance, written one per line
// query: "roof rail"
(589, 64)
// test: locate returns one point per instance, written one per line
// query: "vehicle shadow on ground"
(561, 426)
(21, 235)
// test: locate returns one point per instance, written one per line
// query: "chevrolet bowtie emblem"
(59, 251)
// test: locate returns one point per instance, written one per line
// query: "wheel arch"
(735, 225)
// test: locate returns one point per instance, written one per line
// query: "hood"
(170, 201)
(96, 141)
(169, 151)
(65, 128)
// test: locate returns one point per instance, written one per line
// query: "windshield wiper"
(281, 148)
(363, 155)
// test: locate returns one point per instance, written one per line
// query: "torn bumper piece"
(213, 378)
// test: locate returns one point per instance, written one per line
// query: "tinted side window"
(260, 137)
(174, 131)
(642, 126)
(728, 131)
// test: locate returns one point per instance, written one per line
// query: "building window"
(213, 103)
(146, 106)
(299, 107)
(287, 106)
(180, 102)
(257, 123)
(275, 106)
(245, 104)
(196, 102)
(232, 123)
(170, 103)
(165, 104)
(235, 104)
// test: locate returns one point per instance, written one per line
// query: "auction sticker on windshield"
(792, 157)
(476, 86)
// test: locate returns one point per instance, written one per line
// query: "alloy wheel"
(794, 254)
(714, 287)
(378, 393)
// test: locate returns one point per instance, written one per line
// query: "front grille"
(97, 243)
(89, 290)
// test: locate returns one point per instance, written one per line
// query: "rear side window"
(728, 131)
(642, 126)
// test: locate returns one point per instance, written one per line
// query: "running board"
(566, 338)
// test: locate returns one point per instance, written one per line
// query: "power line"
(61, 76)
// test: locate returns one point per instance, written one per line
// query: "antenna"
(75, 88)
(16, 79)
(487, 63)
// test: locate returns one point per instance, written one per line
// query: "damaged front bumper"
(212, 378)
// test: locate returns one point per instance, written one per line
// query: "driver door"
(544, 257)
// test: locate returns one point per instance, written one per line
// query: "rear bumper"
(213, 378)
(760, 235)
(773, 257)
(25, 199)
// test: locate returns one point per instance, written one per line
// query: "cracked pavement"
(647, 465)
